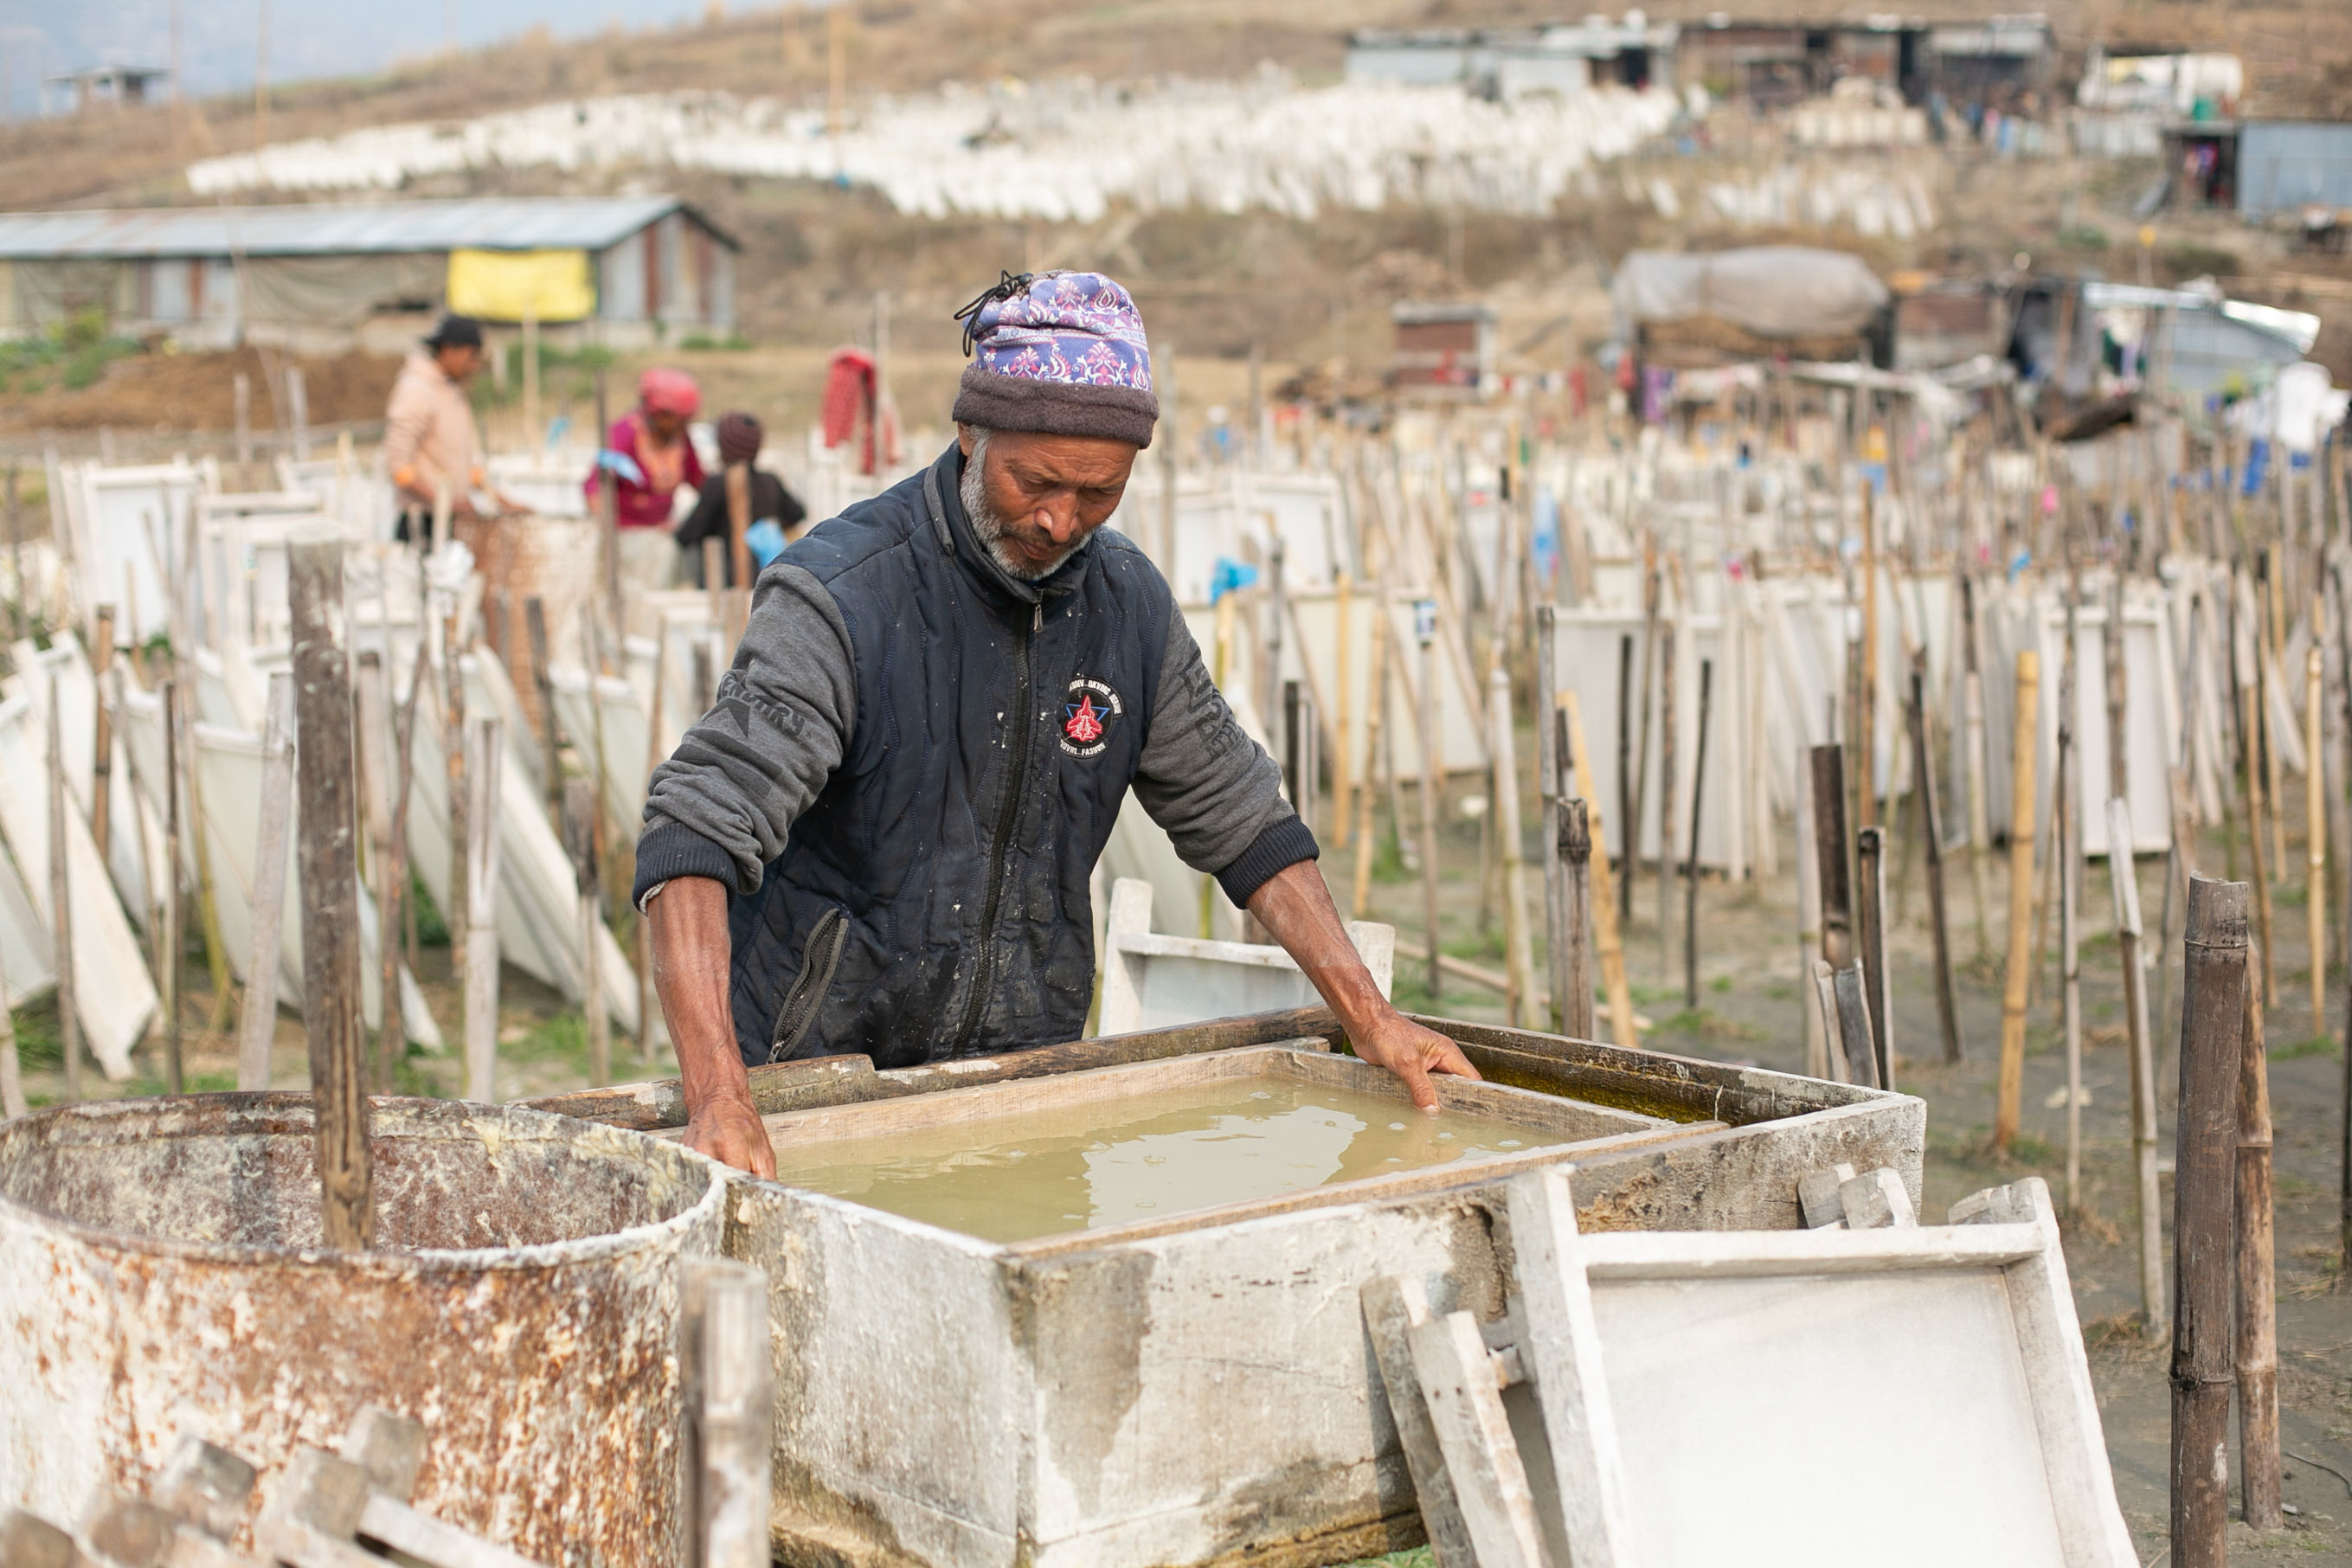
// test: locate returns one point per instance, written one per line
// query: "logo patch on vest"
(1086, 717)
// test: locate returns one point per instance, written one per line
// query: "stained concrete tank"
(161, 1273)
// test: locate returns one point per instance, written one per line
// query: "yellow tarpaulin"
(507, 285)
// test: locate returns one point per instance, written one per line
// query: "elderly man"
(879, 839)
(430, 448)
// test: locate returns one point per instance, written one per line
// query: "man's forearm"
(1296, 910)
(691, 961)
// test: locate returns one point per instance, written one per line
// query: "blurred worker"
(429, 444)
(651, 457)
(739, 439)
(878, 840)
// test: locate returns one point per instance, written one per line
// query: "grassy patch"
(1709, 1025)
(38, 1044)
(2315, 1046)
(73, 354)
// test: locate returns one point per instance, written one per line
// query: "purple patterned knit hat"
(1061, 353)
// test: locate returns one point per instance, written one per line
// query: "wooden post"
(1518, 946)
(1973, 725)
(371, 726)
(2212, 1041)
(258, 1024)
(1860, 1052)
(1628, 807)
(1548, 772)
(2068, 849)
(2257, 1273)
(399, 909)
(2123, 887)
(101, 775)
(1870, 923)
(1630, 834)
(1605, 935)
(1669, 778)
(1809, 918)
(453, 756)
(1368, 846)
(731, 1412)
(1866, 707)
(61, 904)
(1425, 625)
(168, 990)
(534, 623)
(1829, 854)
(2250, 706)
(329, 879)
(2023, 749)
(1690, 845)
(579, 842)
(479, 891)
(1573, 1001)
(2315, 819)
(1931, 831)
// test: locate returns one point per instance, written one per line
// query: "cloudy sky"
(307, 37)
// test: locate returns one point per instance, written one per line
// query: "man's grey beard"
(990, 525)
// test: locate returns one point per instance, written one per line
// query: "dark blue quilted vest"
(932, 901)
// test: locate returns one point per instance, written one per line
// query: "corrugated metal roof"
(555, 223)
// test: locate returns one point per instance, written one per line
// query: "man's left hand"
(1412, 1052)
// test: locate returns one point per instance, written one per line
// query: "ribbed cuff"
(1278, 848)
(667, 851)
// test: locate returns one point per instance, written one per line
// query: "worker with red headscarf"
(650, 457)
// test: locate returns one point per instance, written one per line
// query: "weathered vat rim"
(258, 1104)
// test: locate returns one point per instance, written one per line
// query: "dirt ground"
(1750, 1011)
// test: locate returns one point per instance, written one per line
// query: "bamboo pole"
(1808, 922)
(1622, 1028)
(257, 1024)
(1516, 945)
(1652, 588)
(1425, 625)
(542, 684)
(2250, 708)
(1870, 926)
(456, 917)
(399, 909)
(1669, 783)
(1548, 772)
(2067, 850)
(176, 766)
(2315, 807)
(2212, 1038)
(1979, 806)
(2124, 891)
(1833, 876)
(329, 872)
(477, 890)
(1690, 863)
(580, 844)
(2257, 1276)
(101, 775)
(61, 945)
(1866, 709)
(1931, 829)
(2024, 749)
(1629, 805)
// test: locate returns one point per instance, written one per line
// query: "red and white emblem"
(1086, 717)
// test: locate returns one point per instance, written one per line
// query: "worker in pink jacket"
(660, 457)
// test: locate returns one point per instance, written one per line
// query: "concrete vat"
(160, 1272)
(1199, 1389)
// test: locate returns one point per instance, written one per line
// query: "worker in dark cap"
(430, 446)
(771, 519)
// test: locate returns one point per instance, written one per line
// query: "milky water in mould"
(1143, 1156)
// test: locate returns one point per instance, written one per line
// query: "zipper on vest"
(1007, 815)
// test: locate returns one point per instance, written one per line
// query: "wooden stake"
(61, 904)
(534, 622)
(1605, 934)
(1627, 805)
(1870, 884)
(1518, 958)
(478, 889)
(1829, 849)
(1809, 918)
(1865, 708)
(2124, 890)
(2315, 819)
(1979, 806)
(329, 879)
(258, 1024)
(102, 787)
(1650, 588)
(176, 766)
(2212, 1041)
(2250, 707)
(453, 757)
(1427, 618)
(2068, 851)
(1931, 831)
(2257, 1274)
(2024, 748)
(579, 842)
(1548, 773)
(738, 524)
(1572, 1002)
(400, 911)
(1690, 864)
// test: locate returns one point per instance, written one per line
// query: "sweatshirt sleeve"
(724, 802)
(1215, 790)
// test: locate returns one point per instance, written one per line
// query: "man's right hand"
(731, 1132)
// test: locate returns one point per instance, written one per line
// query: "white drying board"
(128, 519)
(1156, 982)
(1697, 1388)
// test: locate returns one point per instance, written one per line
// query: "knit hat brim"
(998, 402)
